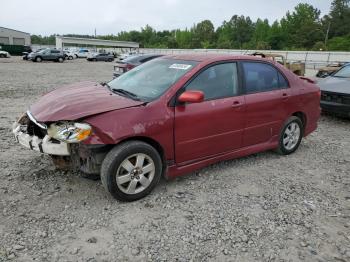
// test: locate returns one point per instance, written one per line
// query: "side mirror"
(194, 96)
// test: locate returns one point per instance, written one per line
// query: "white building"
(62, 42)
(13, 37)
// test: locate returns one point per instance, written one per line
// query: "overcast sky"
(47, 17)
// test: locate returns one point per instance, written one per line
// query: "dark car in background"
(335, 92)
(106, 57)
(133, 61)
(47, 54)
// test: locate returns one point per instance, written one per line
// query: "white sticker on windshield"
(180, 66)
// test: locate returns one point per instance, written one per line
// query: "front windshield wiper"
(126, 93)
(105, 84)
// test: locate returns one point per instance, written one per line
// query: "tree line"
(300, 29)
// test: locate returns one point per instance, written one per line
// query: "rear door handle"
(236, 104)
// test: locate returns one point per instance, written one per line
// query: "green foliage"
(340, 43)
(319, 46)
(300, 29)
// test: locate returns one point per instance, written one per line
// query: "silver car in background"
(335, 92)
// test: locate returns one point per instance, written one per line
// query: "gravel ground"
(264, 207)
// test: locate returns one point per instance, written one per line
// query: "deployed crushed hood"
(78, 100)
(335, 84)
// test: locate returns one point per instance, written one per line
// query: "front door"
(214, 126)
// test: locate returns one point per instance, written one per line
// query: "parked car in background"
(47, 54)
(128, 54)
(335, 96)
(297, 68)
(129, 63)
(4, 54)
(83, 53)
(25, 55)
(328, 70)
(69, 55)
(106, 57)
(73, 52)
(171, 116)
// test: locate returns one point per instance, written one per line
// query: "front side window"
(217, 81)
(260, 77)
(150, 80)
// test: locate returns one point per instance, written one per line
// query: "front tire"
(60, 59)
(131, 170)
(38, 59)
(291, 136)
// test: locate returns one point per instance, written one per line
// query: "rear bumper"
(45, 145)
(336, 108)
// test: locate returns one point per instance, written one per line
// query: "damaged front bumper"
(44, 145)
(68, 156)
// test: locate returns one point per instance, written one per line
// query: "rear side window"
(260, 77)
(217, 81)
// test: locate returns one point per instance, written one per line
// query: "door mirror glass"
(194, 96)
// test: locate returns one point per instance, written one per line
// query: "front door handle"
(285, 96)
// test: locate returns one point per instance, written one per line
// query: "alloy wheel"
(135, 174)
(291, 136)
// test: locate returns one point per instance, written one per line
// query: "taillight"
(319, 93)
(129, 67)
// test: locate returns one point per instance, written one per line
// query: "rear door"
(102, 57)
(55, 54)
(214, 126)
(265, 107)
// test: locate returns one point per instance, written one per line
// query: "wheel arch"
(302, 116)
(152, 142)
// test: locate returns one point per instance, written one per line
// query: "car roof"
(205, 57)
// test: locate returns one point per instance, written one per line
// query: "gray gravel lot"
(259, 208)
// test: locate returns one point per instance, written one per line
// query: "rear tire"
(60, 59)
(291, 136)
(131, 170)
(2, 55)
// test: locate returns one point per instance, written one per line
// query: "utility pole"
(327, 34)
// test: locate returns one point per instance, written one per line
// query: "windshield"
(150, 80)
(344, 72)
(42, 51)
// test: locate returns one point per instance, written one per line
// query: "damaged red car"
(171, 116)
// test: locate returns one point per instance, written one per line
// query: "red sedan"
(171, 116)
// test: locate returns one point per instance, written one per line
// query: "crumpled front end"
(40, 137)
(33, 135)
